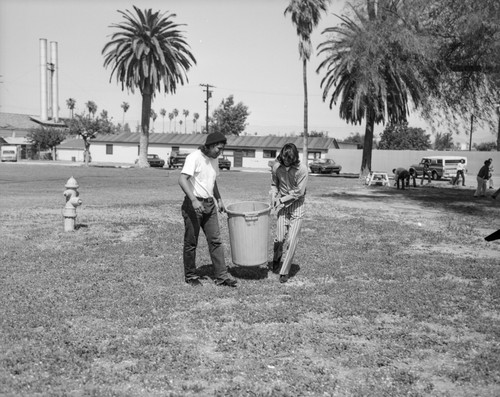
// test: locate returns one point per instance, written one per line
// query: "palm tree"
(70, 103)
(92, 107)
(153, 116)
(373, 68)
(196, 116)
(180, 125)
(185, 113)
(125, 106)
(176, 113)
(305, 16)
(170, 117)
(163, 113)
(148, 52)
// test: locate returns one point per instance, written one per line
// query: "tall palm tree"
(196, 116)
(185, 113)
(148, 52)
(125, 106)
(375, 69)
(92, 107)
(170, 117)
(70, 103)
(305, 16)
(163, 113)
(153, 117)
(176, 113)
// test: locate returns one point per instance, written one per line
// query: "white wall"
(386, 160)
(128, 153)
(349, 159)
(69, 155)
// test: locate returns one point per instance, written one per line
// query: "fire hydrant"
(72, 201)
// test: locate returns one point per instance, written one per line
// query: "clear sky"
(245, 48)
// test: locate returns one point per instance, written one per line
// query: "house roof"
(233, 142)
(18, 125)
(76, 143)
(13, 124)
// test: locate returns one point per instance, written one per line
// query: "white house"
(242, 151)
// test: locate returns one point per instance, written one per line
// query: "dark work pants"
(404, 177)
(426, 174)
(209, 222)
(460, 173)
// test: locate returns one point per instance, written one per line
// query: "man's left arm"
(218, 198)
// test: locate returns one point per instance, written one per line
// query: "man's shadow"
(245, 272)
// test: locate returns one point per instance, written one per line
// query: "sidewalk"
(71, 163)
(114, 165)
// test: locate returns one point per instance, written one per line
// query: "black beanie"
(215, 137)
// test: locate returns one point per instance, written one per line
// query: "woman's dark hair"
(289, 151)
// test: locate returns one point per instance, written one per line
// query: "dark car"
(224, 162)
(177, 160)
(325, 166)
(155, 161)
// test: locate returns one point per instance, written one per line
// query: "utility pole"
(209, 95)
(498, 135)
(471, 129)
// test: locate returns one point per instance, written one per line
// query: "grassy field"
(394, 293)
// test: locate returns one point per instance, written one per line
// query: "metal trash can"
(249, 232)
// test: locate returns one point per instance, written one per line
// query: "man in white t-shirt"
(199, 209)
(460, 173)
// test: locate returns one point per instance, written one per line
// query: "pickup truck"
(224, 162)
(177, 160)
(439, 166)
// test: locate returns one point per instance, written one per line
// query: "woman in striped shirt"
(288, 191)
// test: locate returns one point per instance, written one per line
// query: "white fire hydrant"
(72, 201)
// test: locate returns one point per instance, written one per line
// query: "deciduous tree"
(87, 128)
(229, 118)
(444, 141)
(46, 138)
(402, 137)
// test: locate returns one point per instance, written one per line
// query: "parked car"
(155, 161)
(8, 153)
(439, 166)
(325, 166)
(224, 162)
(177, 160)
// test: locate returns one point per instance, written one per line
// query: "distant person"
(490, 174)
(199, 209)
(482, 179)
(460, 173)
(426, 172)
(288, 193)
(403, 175)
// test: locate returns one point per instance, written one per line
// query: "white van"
(440, 166)
(8, 153)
